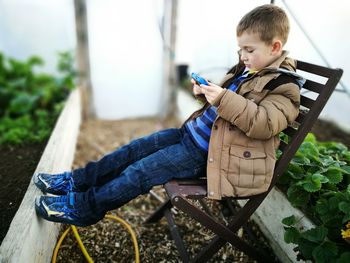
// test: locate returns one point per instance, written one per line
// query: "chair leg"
(174, 231)
(224, 232)
(217, 242)
(205, 207)
(159, 213)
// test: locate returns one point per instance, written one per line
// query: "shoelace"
(62, 181)
(61, 199)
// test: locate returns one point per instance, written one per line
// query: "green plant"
(29, 101)
(317, 181)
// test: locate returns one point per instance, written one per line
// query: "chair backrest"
(319, 85)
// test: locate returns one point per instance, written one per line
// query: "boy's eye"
(248, 50)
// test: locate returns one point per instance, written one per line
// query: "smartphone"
(198, 79)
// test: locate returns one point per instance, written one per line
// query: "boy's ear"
(276, 46)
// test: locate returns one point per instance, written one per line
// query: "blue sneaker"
(60, 209)
(57, 184)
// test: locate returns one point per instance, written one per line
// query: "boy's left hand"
(211, 92)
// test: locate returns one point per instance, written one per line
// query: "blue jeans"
(134, 169)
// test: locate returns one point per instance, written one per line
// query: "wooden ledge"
(29, 238)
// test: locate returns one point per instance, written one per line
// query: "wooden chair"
(314, 96)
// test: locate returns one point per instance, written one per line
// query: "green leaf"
(334, 175)
(333, 146)
(344, 258)
(291, 235)
(312, 185)
(309, 149)
(299, 159)
(346, 218)
(310, 137)
(297, 196)
(322, 206)
(334, 201)
(344, 207)
(326, 252)
(327, 160)
(295, 169)
(23, 103)
(306, 247)
(289, 221)
(319, 177)
(346, 168)
(317, 234)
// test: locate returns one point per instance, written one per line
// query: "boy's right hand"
(196, 88)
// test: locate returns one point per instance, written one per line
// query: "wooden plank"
(307, 102)
(313, 86)
(269, 217)
(315, 69)
(29, 238)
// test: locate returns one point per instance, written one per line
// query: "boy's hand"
(196, 88)
(211, 92)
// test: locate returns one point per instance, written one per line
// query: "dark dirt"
(17, 166)
(329, 131)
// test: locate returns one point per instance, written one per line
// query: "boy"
(233, 137)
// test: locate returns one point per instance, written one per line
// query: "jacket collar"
(262, 77)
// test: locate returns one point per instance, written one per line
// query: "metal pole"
(83, 58)
(168, 98)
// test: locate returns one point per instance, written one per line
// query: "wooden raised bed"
(29, 238)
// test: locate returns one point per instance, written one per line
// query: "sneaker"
(60, 209)
(57, 184)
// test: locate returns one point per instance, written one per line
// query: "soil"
(329, 131)
(16, 169)
(108, 241)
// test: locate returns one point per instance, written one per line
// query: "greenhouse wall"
(37, 27)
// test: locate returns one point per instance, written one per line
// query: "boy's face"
(254, 52)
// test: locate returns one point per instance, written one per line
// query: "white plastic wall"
(126, 57)
(37, 27)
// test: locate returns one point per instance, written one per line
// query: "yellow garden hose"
(82, 247)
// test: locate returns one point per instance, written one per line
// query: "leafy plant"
(29, 101)
(317, 181)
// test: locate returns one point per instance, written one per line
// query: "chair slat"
(313, 86)
(301, 117)
(315, 69)
(307, 102)
(290, 131)
(282, 146)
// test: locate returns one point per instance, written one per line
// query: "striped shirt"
(200, 127)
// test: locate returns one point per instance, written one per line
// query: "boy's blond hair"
(269, 21)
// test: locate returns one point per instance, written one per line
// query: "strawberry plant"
(318, 182)
(31, 101)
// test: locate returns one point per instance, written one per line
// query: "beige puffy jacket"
(244, 138)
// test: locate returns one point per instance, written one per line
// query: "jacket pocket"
(247, 167)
